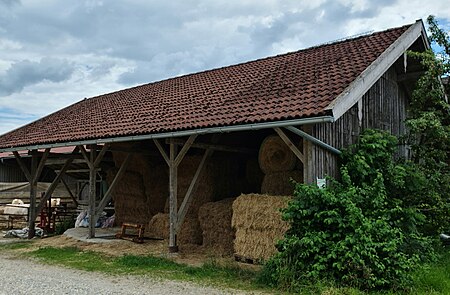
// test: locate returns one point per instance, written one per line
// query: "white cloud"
(92, 47)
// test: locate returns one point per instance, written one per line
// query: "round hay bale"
(275, 155)
(215, 222)
(279, 183)
(258, 224)
(190, 232)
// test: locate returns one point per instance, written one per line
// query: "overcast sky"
(54, 53)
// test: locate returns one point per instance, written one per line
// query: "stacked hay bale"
(279, 164)
(143, 189)
(217, 180)
(190, 232)
(258, 224)
(130, 202)
(215, 223)
(145, 185)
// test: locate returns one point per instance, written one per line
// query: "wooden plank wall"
(383, 107)
(11, 174)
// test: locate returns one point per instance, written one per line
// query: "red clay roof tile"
(289, 86)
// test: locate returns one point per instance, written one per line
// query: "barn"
(173, 145)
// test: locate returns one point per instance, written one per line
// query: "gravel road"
(28, 277)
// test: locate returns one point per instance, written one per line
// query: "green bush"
(352, 232)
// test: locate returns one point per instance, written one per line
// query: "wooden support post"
(173, 206)
(189, 194)
(22, 166)
(173, 160)
(92, 193)
(108, 194)
(53, 185)
(72, 196)
(32, 176)
(289, 143)
(162, 151)
(33, 192)
(308, 165)
(85, 155)
(41, 165)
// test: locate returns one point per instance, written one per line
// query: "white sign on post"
(321, 182)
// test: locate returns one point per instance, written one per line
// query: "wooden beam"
(190, 192)
(72, 196)
(92, 193)
(134, 151)
(33, 192)
(85, 156)
(162, 151)
(77, 170)
(108, 194)
(76, 160)
(173, 207)
(185, 149)
(103, 151)
(53, 186)
(308, 165)
(41, 165)
(289, 143)
(22, 166)
(215, 147)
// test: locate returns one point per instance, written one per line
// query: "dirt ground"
(194, 255)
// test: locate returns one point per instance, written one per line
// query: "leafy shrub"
(352, 232)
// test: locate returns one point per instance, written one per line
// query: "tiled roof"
(294, 85)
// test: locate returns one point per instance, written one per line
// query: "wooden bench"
(139, 238)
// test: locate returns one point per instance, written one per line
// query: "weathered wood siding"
(382, 107)
(11, 174)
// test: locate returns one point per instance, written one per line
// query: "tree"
(429, 131)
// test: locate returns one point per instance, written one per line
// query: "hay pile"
(279, 183)
(190, 232)
(156, 184)
(147, 181)
(130, 201)
(215, 222)
(138, 163)
(218, 180)
(258, 225)
(275, 155)
(278, 163)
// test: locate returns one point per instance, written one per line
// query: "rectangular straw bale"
(130, 201)
(258, 224)
(156, 184)
(205, 184)
(279, 183)
(215, 222)
(190, 232)
(138, 162)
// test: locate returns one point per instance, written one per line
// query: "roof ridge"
(338, 41)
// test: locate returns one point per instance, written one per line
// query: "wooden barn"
(168, 147)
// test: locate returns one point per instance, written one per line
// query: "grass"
(211, 273)
(432, 278)
(15, 245)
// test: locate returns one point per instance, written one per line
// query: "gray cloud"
(9, 3)
(25, 73)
